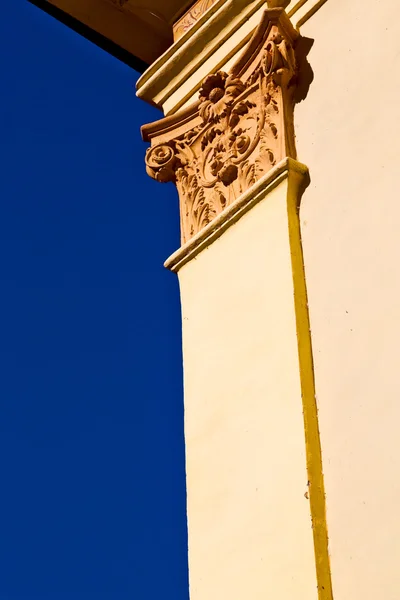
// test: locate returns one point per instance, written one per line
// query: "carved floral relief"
(191, 17)
(241, 128)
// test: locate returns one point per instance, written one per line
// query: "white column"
(256, 503)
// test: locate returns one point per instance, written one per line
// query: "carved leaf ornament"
(240, 128)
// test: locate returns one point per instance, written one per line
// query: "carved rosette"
(162, 162)
(241, 127)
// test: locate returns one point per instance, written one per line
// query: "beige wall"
(348, 132)
(249, 521)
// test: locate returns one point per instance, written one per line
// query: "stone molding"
(187, 21)
(186, 55)
(201, 42)
(197, 10)
(241, 127)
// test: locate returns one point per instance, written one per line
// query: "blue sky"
(92, 502)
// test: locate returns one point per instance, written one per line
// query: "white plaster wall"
(249, 524)
(348, 133)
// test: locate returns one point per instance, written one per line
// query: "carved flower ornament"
(216, 95)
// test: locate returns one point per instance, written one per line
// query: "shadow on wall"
(306, 74)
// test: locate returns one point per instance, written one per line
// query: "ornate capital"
(240, 128)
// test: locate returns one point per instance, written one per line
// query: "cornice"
(212, 29)
(236, 210)
(215, 26)
(136, 35)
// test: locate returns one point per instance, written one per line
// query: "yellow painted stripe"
(296, 185)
